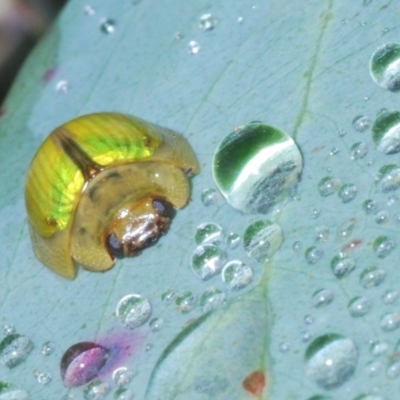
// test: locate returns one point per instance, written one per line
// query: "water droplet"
(306, 336)
(308, 319)
(193, 47)
(207, 261)
(342, 265)
(359, 306)
(47, 348)
(313, 254)
(133, 310)
(392, 200)
(383, 246)
(358, 150)
(385, 66)
(89, 10)
(385, 31)
(237, 275)
(321, 233)
(369, 397)
(331, 360)
(262, 239)
(209, 197)
(62, 86)
(96, 390)
(257, 166)
(185, 302)
(390, 322)
(372, 277)
(361, 123)
(315, 212)
(334, 151)
(379, 348)
(207, 22)
(233, 240)
(382, 217)
(348, 192)
(156, 324)
(10, 392)
(179, 36)
(168, 297)
(107, 26)
(82, 362)
(369, 206)
(122, 376)
(240, 20)
(209, 233)
(123, 394)
(14, 349)
(43, 378)
(386, 132)
(389, 177)
(393, 369)
(320, 397)
(9, 329)
(284, 347)
(346, 228)
(297, 246)
(390, 296)
(342, 133)
(323, 297)
(212, 299)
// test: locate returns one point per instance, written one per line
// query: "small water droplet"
(313, 254)
(306, 336)
(89, 10)
(193, 47)
(122, 376)
(379, 348)
(390, 296)
(358, 150)
(383, 246)
(346, 228)
(328, 186)
(14, 349)
(47, 348)
(284, 347)
(240, 20)
(168, 297)
(315, 212)
(209, 197)
(389, 177)
(179, 36)
(386, 131)
(262, 239)
(342, 133)
(156, 324)
(185, 302)
(207, 22)
(342, 265)
(331, 360)
(62, 86)
(393, 369)
(123, 394)
(385, 31)
(133, 310)
(96, 390)
(334, 151)
(348, 192)
(82, 362)
(212, 299)
(209, 233)
(322, 297)
(372, 277)
(43, 378)
(370, 206)
(9, 329)
(382, 217)
(384, 66)
(297, 246)
(233, 240)
(359, 306)
(390, 322)
(237, 275)
(361, 123)
(308, 319)
(207, 261)
(107, 26)
(321, 233)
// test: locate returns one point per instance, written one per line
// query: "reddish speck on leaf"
(49, 74)
(255, 382)
(354, 244)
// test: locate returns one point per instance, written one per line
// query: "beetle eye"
(114, 246)
(163, 207)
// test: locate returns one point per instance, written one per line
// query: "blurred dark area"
(22, 23)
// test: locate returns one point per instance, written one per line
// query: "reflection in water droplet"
(10, 392)
(43, 378)
(208, 233)
(237, 275)
(207, 261)
(342, 265)
(313, 254)
(82, 362)
(96, 390)
(359, 306)
(390, 296)
(358, 150)
(62, 86)
(14, 349)
(348, 192)
(185, 302)
(47, 348)
(331, 360)
(233, 240)
(133, 310)
(193, 47)
(390, 322)
(207, 22)
(122, 376)
(322, 297)
(383, 246)
(212, 299)
(256, 166)
(386, 132)
(9, 329)
(209, 197)
(372, 277)
(262, 239)
(156, 324)
(107, 26)
(389, 177)
(361, 123)
(385, 66)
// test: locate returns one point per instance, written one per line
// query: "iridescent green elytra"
(109, 172)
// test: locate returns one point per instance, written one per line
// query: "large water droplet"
(10, 392)
(207, 22)
(331, 360)
(256, 166)
(386, 132)
(372, 276)
(82, 362)
(207, 261)
(361, 123)
(96, 390)
(389, 177)
(14, 349)
(237, 275)
(385, 66)
(262, 239)
(208, 233)
(133, 310)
